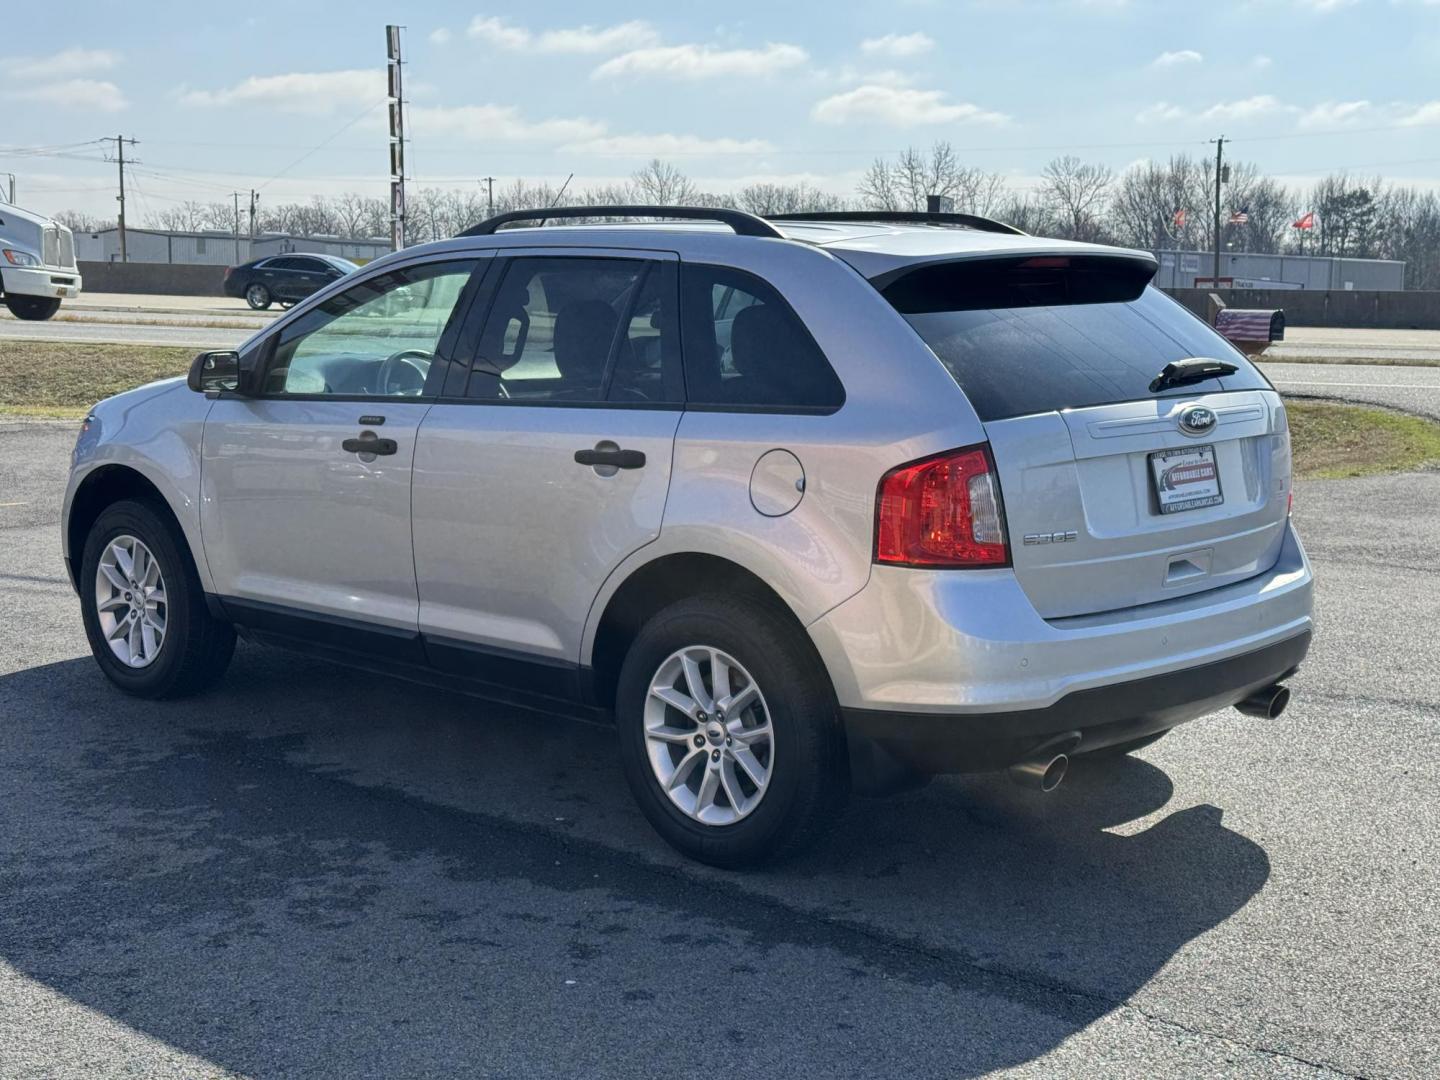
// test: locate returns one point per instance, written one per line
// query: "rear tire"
(1121, 749)
(178, 648)
(802, 760)
(31, 308)
(257, 296)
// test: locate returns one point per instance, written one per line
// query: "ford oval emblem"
(1197, 420)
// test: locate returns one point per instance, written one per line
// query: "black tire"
(31, 308)
(810, 781)
(258, 296)
(1121, 749)
(196, 648)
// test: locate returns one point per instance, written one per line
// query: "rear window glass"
(1035, 341)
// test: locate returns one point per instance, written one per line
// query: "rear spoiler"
(1010, 280)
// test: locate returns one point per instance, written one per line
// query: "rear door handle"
(371, 445)
(620, 459)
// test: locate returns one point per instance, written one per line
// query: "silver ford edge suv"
(804, 506)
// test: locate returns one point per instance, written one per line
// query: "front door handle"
(370, 445)
(616, 458)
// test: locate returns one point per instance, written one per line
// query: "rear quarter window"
(1021, 340)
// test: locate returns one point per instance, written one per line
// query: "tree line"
(1153, 206)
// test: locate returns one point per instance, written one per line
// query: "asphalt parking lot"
(314, 872)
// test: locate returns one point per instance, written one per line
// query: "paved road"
(1413, 389)
(131, 333)
(1347, 342)
(314, 872)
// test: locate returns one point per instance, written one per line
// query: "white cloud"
(313, 92)
(635, 34)
(1428, 113)
(1247, 108)
(900, 106)
(1260, 62)
(440, 36)
(667, 145)
(898, 45)
(1334, 114)
(75, 94)
(1177, 58)
(499, 123)
(1162, 112)
(703, 62)
(60, 65)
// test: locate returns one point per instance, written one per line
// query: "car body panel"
(155, 430)
(289, 517)
(957, 642)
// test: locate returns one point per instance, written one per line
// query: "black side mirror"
(215, 373)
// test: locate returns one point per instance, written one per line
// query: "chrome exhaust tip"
(1042, 772)
(1267, 703)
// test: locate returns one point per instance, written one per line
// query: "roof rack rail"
(744, 224)
(903, 217)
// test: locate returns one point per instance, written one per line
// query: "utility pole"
(120, 142)
(236, 229)
(11, 175)
(1219, 170)
(396, 86)
(254, 198)
(489, 182)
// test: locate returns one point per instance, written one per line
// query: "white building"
(1180, 269)
(215, 248)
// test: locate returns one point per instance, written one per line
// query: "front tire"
(257, 296)
(144, 609)
(739, 788)
(31, 308)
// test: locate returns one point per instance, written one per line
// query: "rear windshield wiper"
(1195, 369)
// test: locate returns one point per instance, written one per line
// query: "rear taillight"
(942, 512)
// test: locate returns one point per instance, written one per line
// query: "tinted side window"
(744, 346)
(377, 337)
(583, 330)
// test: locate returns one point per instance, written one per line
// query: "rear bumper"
(1103, 715)
(52, 282)
(961, 660)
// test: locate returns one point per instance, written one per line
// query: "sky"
(290, 102)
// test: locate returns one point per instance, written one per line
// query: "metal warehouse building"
(1180, 269)
(215, 248)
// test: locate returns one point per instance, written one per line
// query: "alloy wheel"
(708, 735)
(130, 601)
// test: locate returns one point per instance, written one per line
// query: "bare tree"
(907, 183)
(662, 184)
(81, 222)
(765, 199)
(1077, 194)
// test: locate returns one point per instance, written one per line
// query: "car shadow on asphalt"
(313, 863)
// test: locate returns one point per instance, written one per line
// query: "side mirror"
(215, 372)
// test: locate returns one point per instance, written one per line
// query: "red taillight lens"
(943, 511)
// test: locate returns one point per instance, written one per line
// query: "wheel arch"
(655, 585)
(102, 487)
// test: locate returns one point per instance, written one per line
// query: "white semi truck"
(37, 263)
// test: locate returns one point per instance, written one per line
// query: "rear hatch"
(1115, 495)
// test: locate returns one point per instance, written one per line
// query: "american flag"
(1240, 217)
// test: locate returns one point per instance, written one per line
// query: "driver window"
(377, 338)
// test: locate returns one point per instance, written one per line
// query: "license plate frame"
(1178, 478)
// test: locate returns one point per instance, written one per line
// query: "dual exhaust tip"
(1047, 765)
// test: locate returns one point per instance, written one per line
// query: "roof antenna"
(556, 200)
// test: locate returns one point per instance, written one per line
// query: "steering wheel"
(405, 360)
